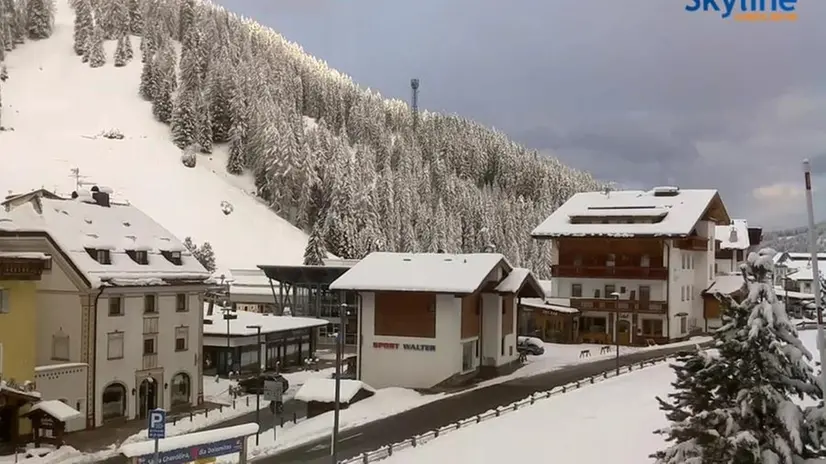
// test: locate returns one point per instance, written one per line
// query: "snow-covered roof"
(189, 440)
(541, 303)
(547, 286)
(662, 211)
(780, 291)
(57, 409)
(77, 225)
(419, 272)
(324, 390)
(23, 255)
(20, 390)
(251, 282)
(517, 279)
(734, 236)
(806, 273)
(268, 323)
(339, 262)
(726, 284)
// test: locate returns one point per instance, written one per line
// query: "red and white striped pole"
(821, 343)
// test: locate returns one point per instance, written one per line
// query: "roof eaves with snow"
(238, 327)
(420, 272)
(76, 225)
(541, 303)
(518, 278)
(679, 214)
(725, 285)
(734, 236)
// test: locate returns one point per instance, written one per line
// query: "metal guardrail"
(412, 442)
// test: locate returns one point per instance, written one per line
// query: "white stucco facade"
(67, 383)
(425, 362)
(135, 345)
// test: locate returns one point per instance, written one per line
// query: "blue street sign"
(193, 453)
(157, 424)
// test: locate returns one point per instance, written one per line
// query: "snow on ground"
(386, 402)
(56, 106)
(42, 455)
(559, 355)
(618, 414)
(220, 391)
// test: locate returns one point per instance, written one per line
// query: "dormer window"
(100, 255)
(173, 257)
(139, 256)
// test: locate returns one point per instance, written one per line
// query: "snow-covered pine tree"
(97, 55)
(190, 245)
(734, 404)
(39, 18)
(184, 120)
(206, 256)
(117, 19)
(135, 17)
(84, 26)
(4, 72)
(162, 105)
(123, 52)
(149, 80)
(204, 134)
(315, 253)
(1, 106)
(186, 18)
(235, 162)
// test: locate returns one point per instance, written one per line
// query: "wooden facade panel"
(617, 272)
(402, 314)
(507, 314)
(598, 252)
(711, 307)
(471, 314)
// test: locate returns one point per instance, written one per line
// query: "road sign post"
(157, 429)
(274, 392)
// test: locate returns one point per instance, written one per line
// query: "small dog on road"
(605, 349)
(585, 354)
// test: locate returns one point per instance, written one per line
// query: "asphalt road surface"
(373, 435)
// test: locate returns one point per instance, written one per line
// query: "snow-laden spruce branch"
(735, 403)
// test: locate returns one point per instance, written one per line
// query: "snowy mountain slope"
(796, 239)
(54, 105)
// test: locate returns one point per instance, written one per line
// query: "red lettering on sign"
(386, 345)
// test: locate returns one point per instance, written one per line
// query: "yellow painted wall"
(18, 334)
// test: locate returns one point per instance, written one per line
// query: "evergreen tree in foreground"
(314, 254)
(733, 403)
(123, 53)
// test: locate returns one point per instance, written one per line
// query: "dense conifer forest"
(356, 171)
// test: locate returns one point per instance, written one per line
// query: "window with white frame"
(115, 306)
(181, 302)
(114, 345)
(683, 325)
(181, 338)
(682, 293)
(60, 346)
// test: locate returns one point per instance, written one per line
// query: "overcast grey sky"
(641, 92)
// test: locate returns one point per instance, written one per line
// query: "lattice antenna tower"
(414, 86)
(79, 178)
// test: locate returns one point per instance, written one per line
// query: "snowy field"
(622, 412)
(56, 106)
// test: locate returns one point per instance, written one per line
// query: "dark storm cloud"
(634, 90)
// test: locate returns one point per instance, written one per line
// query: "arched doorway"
(181, 390)
(147, 396)
(114, 402)
(624, 332)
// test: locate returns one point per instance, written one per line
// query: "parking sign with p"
(157, 424)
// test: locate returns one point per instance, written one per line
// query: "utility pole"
(821, 344)
(342, 328)
(257, 390)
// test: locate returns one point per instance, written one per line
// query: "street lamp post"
(342, 328)
(228, 316)
(257, 390)
(616, 296)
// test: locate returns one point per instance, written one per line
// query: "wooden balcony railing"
(20, 269)
(150, 361)
(618, 272)
(692, 243)
(612, 305)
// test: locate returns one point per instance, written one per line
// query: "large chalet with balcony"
(634, 263)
